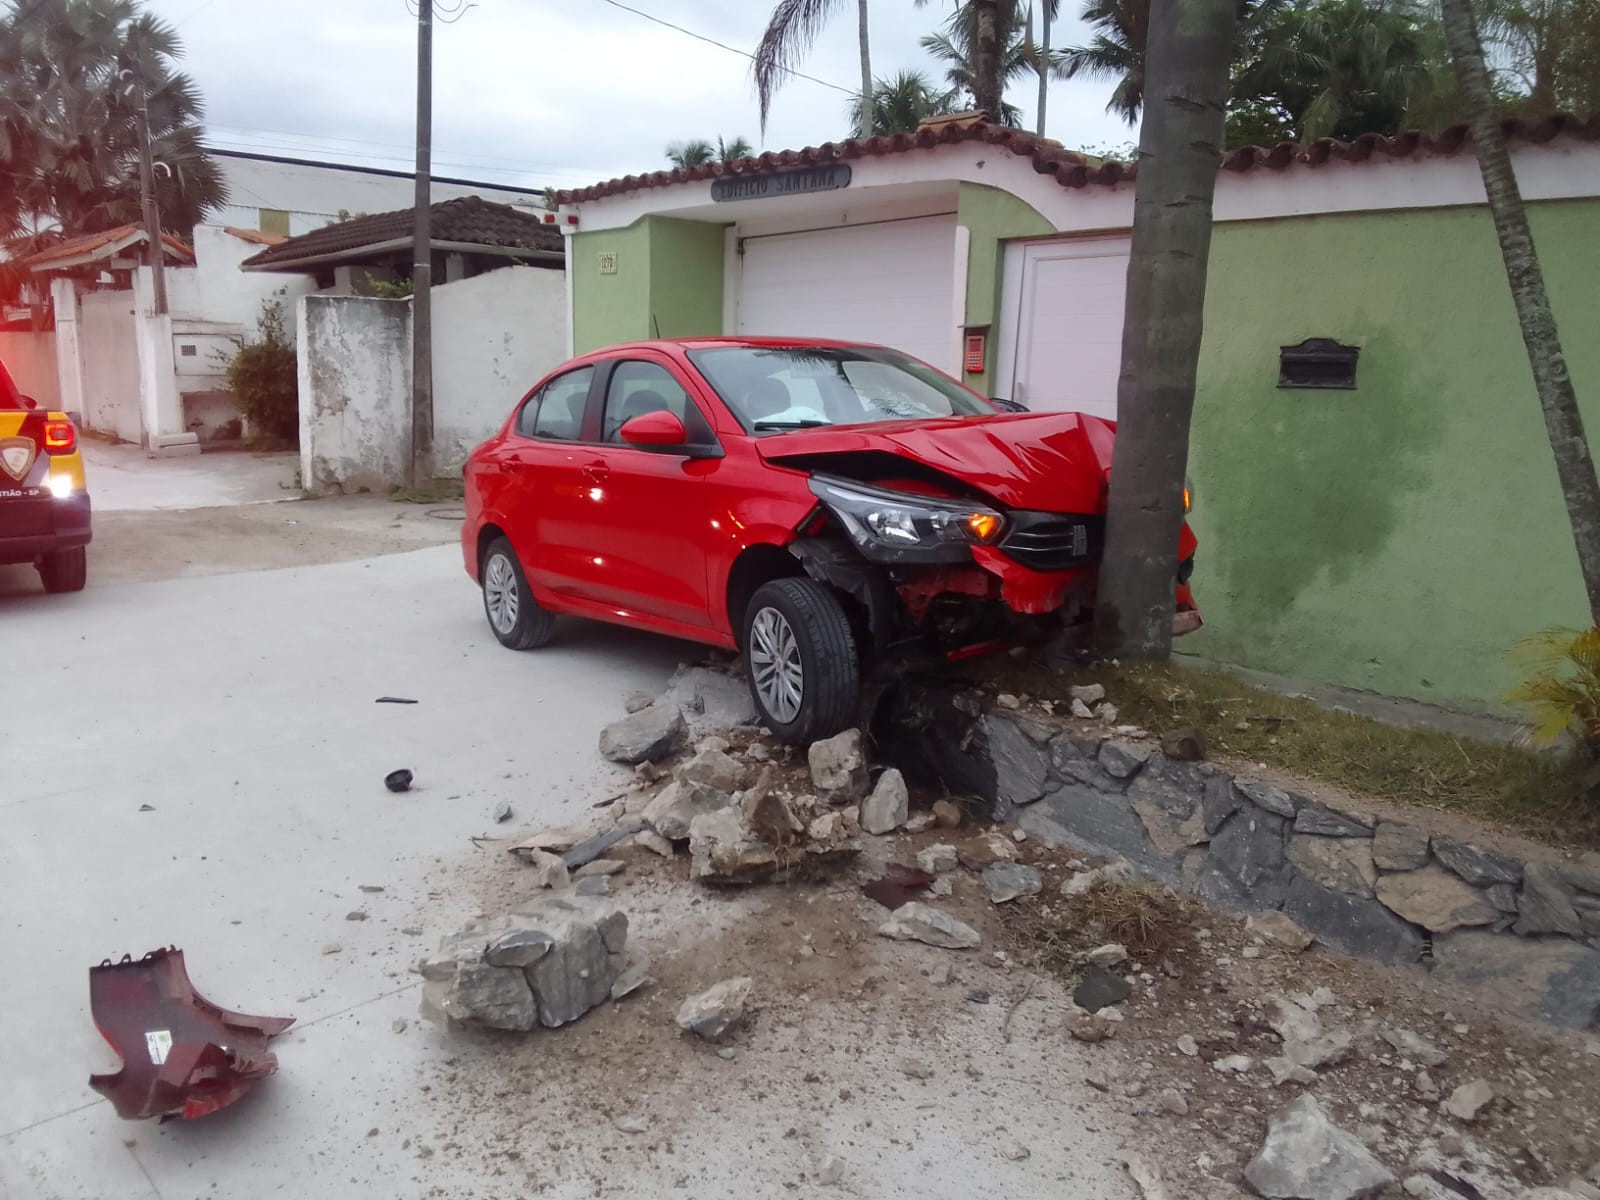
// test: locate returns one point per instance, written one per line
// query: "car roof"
(707, 343)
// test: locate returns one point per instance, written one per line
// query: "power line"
(700, 37)
(356, 147)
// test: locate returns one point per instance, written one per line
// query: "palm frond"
(791, 31)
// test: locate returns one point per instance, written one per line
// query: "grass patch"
(435, 491)
(1150, 920)
(1545, 795)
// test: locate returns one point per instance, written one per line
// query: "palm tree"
(74, 74)
(1116, 51)
(795, 24)
(901, 104)
(1558, 401)
(956, 47)
(1338, 68)
(697, 152)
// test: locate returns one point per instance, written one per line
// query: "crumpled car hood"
(1051, 462)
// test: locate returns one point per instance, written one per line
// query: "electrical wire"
(700, 37)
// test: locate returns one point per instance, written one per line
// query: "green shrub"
(264, 380)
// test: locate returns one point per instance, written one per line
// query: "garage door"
(1069, 325)
(892, 282)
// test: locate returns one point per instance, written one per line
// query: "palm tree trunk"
(1180, 146)
(1557, 399)
(986, 84)
(865, 129)
(1044, 62)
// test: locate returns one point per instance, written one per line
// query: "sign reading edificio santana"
(781, 183)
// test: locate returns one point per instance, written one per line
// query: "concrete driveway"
(240, 709)
(127, 479)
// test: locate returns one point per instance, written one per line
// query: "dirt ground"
(135, 547)
(1010, 1103)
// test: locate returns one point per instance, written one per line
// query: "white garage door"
(892, 282)
(1069, 325)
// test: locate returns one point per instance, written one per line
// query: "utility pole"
(1044, 60)
(422, 261)
(147, 200)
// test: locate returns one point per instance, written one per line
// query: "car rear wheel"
(800, 659)
(514, 615)
(65, 570)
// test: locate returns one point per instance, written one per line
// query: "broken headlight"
(891, 526)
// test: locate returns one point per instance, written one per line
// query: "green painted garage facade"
(1398, 536)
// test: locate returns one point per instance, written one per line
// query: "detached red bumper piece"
(182, 1056)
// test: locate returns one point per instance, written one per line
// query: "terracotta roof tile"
(90, 242)
(1073, 170)
(469, 219)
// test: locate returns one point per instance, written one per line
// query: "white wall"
(355, 392)
(494, 336)
(312, 195)
(215, 290)
(31, 360)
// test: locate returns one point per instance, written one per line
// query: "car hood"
(1052, 462)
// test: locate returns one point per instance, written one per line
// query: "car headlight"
(891, 526)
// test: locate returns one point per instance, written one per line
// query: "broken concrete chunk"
(946, 815)
(1082, 711)
(521, 948)
(1120, 871)
(767, 815)
(634, 976)
(1291, 1022)
(938, 859)
(1286, 1070)
(1307, 1157)
(599, 866)
(552, 840)
(1468, 1100)
(1412, 1045)
(839, 767)
(1234, 1064)
(493, 997)
(1087, 1026)
(1281, 930)
(717, 1009)
(502, 812)
(887, 808)
(1089, 693)
(1008, 880)
(1435, 899)
(548, 869)
(648, 735)
(653, 842)
(918, 922)
(716, 770)
(670, 813)
(1323, 1051)
(920, 822)
(722, 849)
(1108, 957)
(637, 701)
(992, 847)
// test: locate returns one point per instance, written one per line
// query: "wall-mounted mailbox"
(1318, 363)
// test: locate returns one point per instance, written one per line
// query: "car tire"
(800, 660)
(514, 616)
(65, 570)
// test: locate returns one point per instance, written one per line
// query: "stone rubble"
(648, 735)
(887, 808)
(919, 922)
(712, 1013)
(1307, 1157)
(1469, 1100)
(1005, 881)
(938, 859)
(839, 767)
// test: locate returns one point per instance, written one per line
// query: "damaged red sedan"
(816, 505)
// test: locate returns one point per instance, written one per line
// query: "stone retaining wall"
(1368, 886)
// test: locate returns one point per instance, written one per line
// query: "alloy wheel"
(500, 597)
(775, 661)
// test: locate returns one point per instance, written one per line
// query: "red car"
(811, 503)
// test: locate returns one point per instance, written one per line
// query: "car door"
(547, 495)
(647, 510)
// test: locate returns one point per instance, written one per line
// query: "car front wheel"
(800, 659)
(514, 615)
(65, 570)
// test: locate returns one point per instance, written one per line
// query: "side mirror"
(654, 430)
(29, 403)
(1010, 406)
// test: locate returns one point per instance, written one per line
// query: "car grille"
(1054, 541)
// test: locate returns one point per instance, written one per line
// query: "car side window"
(644, 387)
(556, 413)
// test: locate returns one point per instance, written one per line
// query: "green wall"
(668, 282)
(1401, 536)
(992, 217)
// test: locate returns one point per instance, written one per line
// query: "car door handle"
(596, 471)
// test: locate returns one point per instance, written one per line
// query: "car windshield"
(771, 389)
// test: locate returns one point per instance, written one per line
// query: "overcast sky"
(547, 92)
